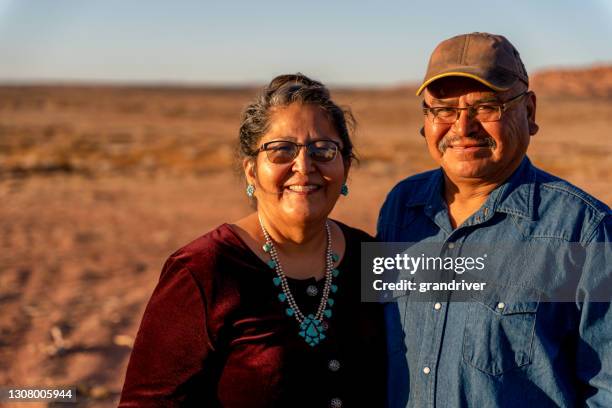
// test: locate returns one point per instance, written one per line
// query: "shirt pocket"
(500, 328)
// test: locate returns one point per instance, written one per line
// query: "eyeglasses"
(482, 112)
(285, 151)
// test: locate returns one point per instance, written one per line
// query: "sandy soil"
(98, 185)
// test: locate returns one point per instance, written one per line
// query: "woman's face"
(302, 191)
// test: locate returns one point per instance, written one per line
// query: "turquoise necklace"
(311, 326)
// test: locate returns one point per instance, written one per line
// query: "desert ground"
(99, 184)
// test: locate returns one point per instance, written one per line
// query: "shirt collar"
(429, 193)
(514, 196)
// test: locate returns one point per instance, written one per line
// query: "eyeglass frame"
(471, 109)
(263, 147)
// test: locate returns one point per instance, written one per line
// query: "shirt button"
(437, 306)
(312, 290)
(451, 245)
(335, 403)
(501, 305)
(333, 365)
(426, 370)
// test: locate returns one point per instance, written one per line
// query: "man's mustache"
(447, 141)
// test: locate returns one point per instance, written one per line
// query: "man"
(479, 115)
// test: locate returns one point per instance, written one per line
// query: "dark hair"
(283, 91)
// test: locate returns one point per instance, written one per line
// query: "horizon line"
(241, 85)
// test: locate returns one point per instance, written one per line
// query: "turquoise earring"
(250, 190)
(344, 190)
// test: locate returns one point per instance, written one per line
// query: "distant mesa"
(580, 82)
(589, 82)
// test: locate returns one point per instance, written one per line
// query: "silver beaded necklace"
(311, 325)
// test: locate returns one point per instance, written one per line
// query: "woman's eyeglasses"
(285, 151)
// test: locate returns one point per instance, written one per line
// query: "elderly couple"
(266, 311)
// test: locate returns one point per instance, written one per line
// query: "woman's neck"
(300, 249)
(296, 239)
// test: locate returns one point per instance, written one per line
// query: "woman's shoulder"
(206, 252)
(354, 234)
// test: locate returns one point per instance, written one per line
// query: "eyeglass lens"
(285, 151)
(482, 113)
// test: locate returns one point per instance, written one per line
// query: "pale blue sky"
(238, 42)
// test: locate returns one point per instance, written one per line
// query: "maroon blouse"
(214, 334)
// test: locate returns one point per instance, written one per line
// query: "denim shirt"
(472, 354)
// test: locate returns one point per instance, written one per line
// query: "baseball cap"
(487, 58)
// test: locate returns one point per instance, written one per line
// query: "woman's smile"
(303, 189)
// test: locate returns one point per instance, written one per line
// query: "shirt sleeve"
(397, 364)
(171, 345)
(380, 222)
(594, 356)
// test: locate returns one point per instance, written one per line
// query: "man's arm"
(594, 354)
(398, 380)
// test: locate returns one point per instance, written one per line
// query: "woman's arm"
(171, 344)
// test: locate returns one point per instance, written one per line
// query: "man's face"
(470, 150)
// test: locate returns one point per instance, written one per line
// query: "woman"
(266, 312)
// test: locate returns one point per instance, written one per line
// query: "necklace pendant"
(311, 329)
(312, 290)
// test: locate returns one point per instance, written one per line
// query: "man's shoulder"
(564, 192)
(424, 177)
(413, 191)
(568, 207)
(415, 186)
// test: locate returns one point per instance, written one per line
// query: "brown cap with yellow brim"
(487, 58)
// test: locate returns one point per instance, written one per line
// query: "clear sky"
(237, 42)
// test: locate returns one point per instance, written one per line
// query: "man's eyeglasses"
(285, 151)
(482, 112)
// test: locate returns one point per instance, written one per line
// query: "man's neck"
(465, 196)
(465, 199)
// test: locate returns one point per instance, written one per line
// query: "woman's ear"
(248, 164)
(347, 168)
